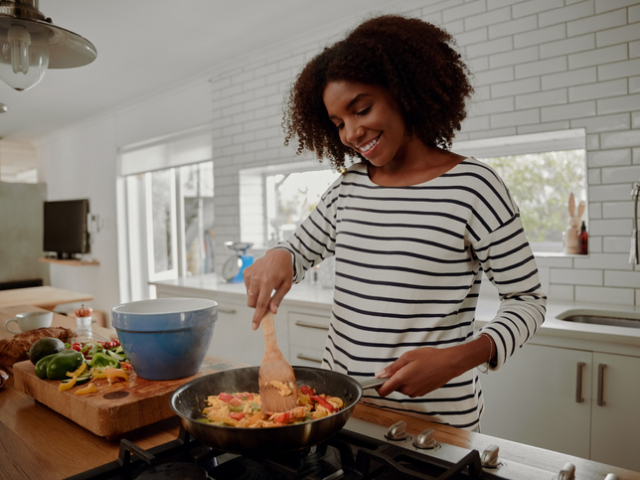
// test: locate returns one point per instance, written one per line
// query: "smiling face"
(369, 120)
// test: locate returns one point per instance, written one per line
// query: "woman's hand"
(418, 372)
(424, 370)
(272, 273)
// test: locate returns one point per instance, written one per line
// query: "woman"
(411, 224)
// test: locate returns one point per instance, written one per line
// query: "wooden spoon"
(277, 382)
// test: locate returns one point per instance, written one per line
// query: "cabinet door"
(532, 399)
(615, 433)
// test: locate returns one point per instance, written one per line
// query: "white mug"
(30, 320)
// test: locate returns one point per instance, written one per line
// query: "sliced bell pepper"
(79, 371)
(306, 390)
(323, 402)
(67, 384)
(113, 374)
(91, 388)
(102, 360)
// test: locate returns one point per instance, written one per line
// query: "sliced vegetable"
(114, 374)
(102, 360)
(67, 384)
(41, 366)
(79, 370)
(63, 362)
(91, 388)
(323, 402)
(307, 390)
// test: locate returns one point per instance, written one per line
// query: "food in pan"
(244, 410)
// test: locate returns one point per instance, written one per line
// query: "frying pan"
(189, 400)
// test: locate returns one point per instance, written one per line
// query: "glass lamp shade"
(29, 46)
(24, 56)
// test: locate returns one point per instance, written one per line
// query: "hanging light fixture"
(30, 43)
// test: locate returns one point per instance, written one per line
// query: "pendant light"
(30, 43)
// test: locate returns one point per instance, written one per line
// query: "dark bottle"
(583, 240)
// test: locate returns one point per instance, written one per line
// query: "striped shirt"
(408, 267)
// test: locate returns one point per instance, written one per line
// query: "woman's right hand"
(272, 273)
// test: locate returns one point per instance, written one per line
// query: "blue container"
(165, 338)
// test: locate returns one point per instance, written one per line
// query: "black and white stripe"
(409, 263)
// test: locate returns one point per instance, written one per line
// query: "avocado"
(44, 347)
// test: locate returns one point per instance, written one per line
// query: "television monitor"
(66, 231)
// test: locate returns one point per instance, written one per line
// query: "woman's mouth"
(367, 149)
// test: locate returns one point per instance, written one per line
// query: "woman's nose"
(352, 133)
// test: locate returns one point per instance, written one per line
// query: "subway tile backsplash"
(539, 65)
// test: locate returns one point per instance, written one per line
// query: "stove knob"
(426, 440)
(612, 476)
(568, 472)
(490, 458)
(397, 431)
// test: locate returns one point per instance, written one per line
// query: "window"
(274, 200)
(291, 197)
(541, 183)
(167, 212)
(541, 171)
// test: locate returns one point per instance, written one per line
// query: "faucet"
(633, 256)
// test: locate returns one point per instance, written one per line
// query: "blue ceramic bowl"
(165, 338)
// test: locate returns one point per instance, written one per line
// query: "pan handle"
(373, 383)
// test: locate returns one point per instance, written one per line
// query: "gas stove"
(361, 450)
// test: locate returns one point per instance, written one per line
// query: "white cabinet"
(614, 410)
(307, 337)
(573, 401)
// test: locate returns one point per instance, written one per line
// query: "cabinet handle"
(579, 398)
(227, 310)
(601, 368)
(319, 326)
(302, 356)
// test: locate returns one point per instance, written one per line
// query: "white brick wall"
(539, 65)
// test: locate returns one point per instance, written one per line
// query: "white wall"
(81, 162)
(539, 65)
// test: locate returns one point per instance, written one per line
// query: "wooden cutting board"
(114, 409)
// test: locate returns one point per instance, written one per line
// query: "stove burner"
(174, 470)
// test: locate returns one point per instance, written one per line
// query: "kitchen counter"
(313, 296)
(36, 442)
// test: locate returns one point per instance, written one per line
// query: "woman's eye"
(364, 112)
(341, 126)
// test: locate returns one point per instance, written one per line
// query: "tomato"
(282, 417)
(75, 347)
(116, 343)
(237, 415)
(307, 390)
(225, 397)
(235, 401)
(323, 402)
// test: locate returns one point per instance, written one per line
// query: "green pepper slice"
(101, 360)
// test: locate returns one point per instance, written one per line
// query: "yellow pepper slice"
(68, 384)
(98, 374)
(90, 388)
(79, 371)
(113, 374)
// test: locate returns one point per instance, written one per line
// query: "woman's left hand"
(419, 372)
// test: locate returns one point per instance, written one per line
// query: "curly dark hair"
(413, 59)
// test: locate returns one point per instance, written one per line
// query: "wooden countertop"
(36, 442)
(45, 297)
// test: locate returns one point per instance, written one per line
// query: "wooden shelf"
(71, 262)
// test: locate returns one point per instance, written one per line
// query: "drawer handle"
(579, 398)
(601, 368)
(302, 356)
(319, 326)
(227, 310)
